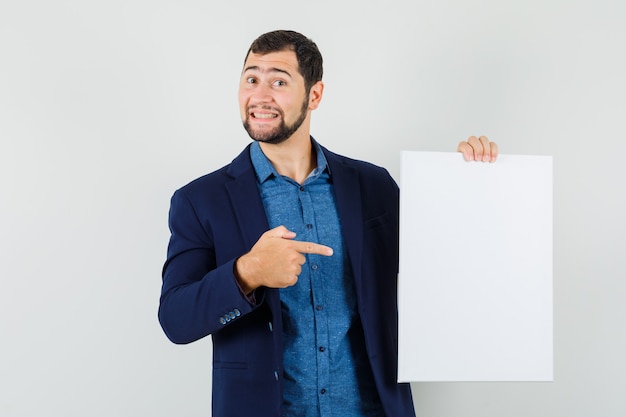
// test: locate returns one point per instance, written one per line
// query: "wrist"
(244, 283)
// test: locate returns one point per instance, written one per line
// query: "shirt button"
(309, 226)
(323, 391)
(319, 307)
(301, 188)
(322, 348)
(314, 267)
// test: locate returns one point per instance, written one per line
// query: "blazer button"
(222, 320)
(237, 312)
(232, 315)
(270, 326)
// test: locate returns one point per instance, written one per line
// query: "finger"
(292, 276)
(477, 147)
(484, 142)
(494, 151)
(280, 231)
(290, 281)
(313, 248)
(466, 150)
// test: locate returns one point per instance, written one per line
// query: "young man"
(288, 257)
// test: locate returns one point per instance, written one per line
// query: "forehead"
(280, 61)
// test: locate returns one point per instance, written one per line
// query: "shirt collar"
(265, 170)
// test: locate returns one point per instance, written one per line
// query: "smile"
(264, 115)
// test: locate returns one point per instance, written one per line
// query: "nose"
(261, 93)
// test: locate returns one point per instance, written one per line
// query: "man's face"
(272, 98)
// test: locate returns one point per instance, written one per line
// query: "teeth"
(264, 115)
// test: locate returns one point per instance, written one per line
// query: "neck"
(294, 158)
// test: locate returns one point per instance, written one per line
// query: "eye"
(279, 83)
(251, 80)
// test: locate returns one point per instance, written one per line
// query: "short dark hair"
(308, 56)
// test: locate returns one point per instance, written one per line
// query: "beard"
(281, 132)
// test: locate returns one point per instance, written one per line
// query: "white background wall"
(106, 107)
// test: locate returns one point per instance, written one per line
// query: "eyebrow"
(273, 69)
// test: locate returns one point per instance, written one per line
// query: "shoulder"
(365, 166)
(217, 179)
(373, 175)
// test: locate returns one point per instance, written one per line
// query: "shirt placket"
(320, 312)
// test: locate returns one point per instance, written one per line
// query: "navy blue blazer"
(217, 218)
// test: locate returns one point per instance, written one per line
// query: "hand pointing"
(275, 260)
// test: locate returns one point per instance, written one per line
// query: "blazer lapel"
(348, 197)
(245, 199)
(250, 213)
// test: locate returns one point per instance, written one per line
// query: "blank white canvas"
(475, 282)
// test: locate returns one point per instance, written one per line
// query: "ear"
(315, 95)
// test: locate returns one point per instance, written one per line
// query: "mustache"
(264, 107)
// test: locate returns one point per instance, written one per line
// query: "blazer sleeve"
(198, 296)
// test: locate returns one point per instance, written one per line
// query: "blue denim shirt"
(327, 372)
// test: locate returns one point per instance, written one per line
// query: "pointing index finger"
(313, 248)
